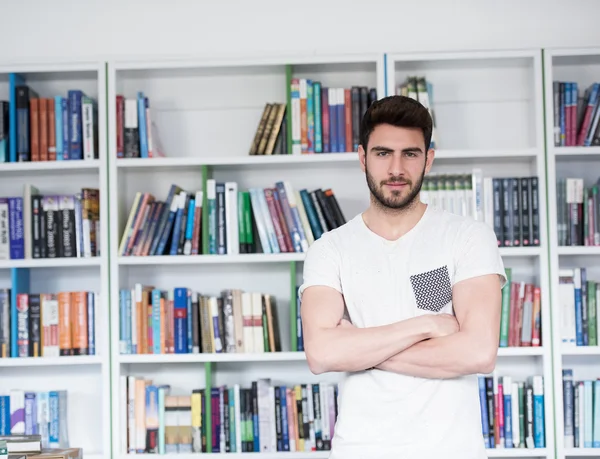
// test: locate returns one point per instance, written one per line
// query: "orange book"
(79, 328)
(51, 130)
(303, 116)
(348, 119)
(34, 128)
(43, 129)
(64, 324)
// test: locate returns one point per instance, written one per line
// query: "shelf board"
(517, 452)
(528, 153)
(51, 361)
(272, 356)
(211, 259)
(580, 350)
(50, 166)
(307, 158)
(50, 263)
(266, 257)
(520, 251)
(579, 250)
(513, 452)
(277, 455)
(214, 357)
(520, 351)
(582, 452)
(576, 151)
(197, 161)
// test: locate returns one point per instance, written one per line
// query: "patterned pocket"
(432, 289)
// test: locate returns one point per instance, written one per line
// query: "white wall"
(135, 28)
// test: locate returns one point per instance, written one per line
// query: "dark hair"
(399, 111)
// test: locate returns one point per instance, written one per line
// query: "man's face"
(395, 164)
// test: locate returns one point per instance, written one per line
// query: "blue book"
(181, 318)
(58, 126)
(15, 227)
(14, 80)
(76, 139)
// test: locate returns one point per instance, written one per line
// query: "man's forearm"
(347, 348)
(445, 357)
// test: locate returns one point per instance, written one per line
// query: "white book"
(248, 330)
(87, 127)
(17, 411)
(123, 413)
(515, 403)
(231, 218)
(265, 415)
(50, 324)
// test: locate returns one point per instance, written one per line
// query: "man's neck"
(393, 224)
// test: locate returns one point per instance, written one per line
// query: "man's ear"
(430, 158)
(361, 157)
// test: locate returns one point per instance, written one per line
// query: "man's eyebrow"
(404, 150)
(381, 148)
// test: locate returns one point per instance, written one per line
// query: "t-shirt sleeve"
(321, 266)
(477, 254)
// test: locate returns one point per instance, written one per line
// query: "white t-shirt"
(384, 414)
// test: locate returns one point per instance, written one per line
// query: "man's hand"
(442, 324)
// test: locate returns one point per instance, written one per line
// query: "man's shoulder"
(337, 238)
(446, 221)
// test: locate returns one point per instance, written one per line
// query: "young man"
(406, 300)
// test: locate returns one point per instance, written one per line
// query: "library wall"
(99, 29)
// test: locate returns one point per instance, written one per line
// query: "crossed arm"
(423, 346)
(473, 349)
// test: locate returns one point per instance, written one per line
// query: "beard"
(396, 201)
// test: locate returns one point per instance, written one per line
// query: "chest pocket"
(432, 289)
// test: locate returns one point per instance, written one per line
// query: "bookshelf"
(197, 106)
(85, 378)
(488, 111)
(569, 159)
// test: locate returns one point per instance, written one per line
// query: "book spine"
(76, 144)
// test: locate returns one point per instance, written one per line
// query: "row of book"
(48, 324)
(264, 417)
(581, 411)
(576, 115)
(271, 135)
(327, 119)
(43, 413)
(577, 212)
(521, 312)
(510, 205)
(271, 220)
(579, 306)
(137, 134)
(512, 412)
(420, 89)
(52, 128)
(38, 225)
(185, 321)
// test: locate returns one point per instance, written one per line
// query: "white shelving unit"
(488, 109)
(85, 378)
(197, 106)
(581, 66)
